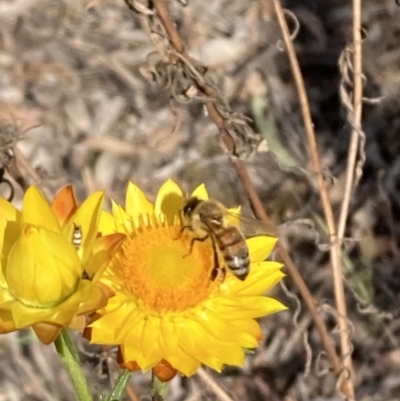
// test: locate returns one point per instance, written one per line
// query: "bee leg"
(183, 228)
(192, 241)
(217, 271)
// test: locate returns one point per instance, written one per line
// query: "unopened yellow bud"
(43, 268)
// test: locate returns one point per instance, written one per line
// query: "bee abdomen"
(238, 264)
(229, 238)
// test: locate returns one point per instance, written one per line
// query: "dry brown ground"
(77, 72)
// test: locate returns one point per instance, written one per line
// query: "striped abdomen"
(232, 244)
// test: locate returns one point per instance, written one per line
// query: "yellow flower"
(47, 281)
(167, 311)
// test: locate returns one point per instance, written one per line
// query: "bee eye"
(190, 206)
(187, 209)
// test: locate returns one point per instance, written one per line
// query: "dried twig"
(131, 393)
(213, 385)
(353, 172)
(176, 41)
(335, 252)
(23, 164)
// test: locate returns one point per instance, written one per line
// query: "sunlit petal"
(136, 202)
(200, 192)
(37, 211)
(261, 247)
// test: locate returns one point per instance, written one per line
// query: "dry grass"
(81, 74)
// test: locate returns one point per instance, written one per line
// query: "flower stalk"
(120, 386)
(159, 389)
(69, 357)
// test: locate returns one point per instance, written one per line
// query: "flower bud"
(43, 268)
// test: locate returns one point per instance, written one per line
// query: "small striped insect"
(77, 236)
(228, 232)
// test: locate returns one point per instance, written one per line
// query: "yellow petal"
(268, 306)
(107, 223)
(173, 351)
(134, 345)
(37, 211)
(9, 228)
(48, 264)
(3, 282)
(222, 330)
(131, 322)
(261, 247)
(123, 222)
(200, 192)
(151, 349)
(229, 354)
(131, 354)
(8, 236)
(169, 200)
(104, 248)
(6, 298)
(262, 277)
(265, 268)
(250, 326)
(89, 298)
(88, 216)
(193, 340)
(6, 322)
(7, 212)
(239, 307)
(105, 331)
(136, 202)
(85, 299)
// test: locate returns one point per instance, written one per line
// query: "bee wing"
(250, 226)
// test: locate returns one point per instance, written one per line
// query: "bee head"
(190, 206)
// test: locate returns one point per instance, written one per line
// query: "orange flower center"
(163, 270)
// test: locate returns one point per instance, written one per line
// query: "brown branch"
(335, 252)
(353, 172)
(173, 34)
(169, 27)
(293, 271)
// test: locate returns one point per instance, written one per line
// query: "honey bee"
(228, 232)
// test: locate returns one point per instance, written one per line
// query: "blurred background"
(79, 106)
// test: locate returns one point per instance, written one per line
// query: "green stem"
(158, 389)
(120, 386)
(69, 356)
